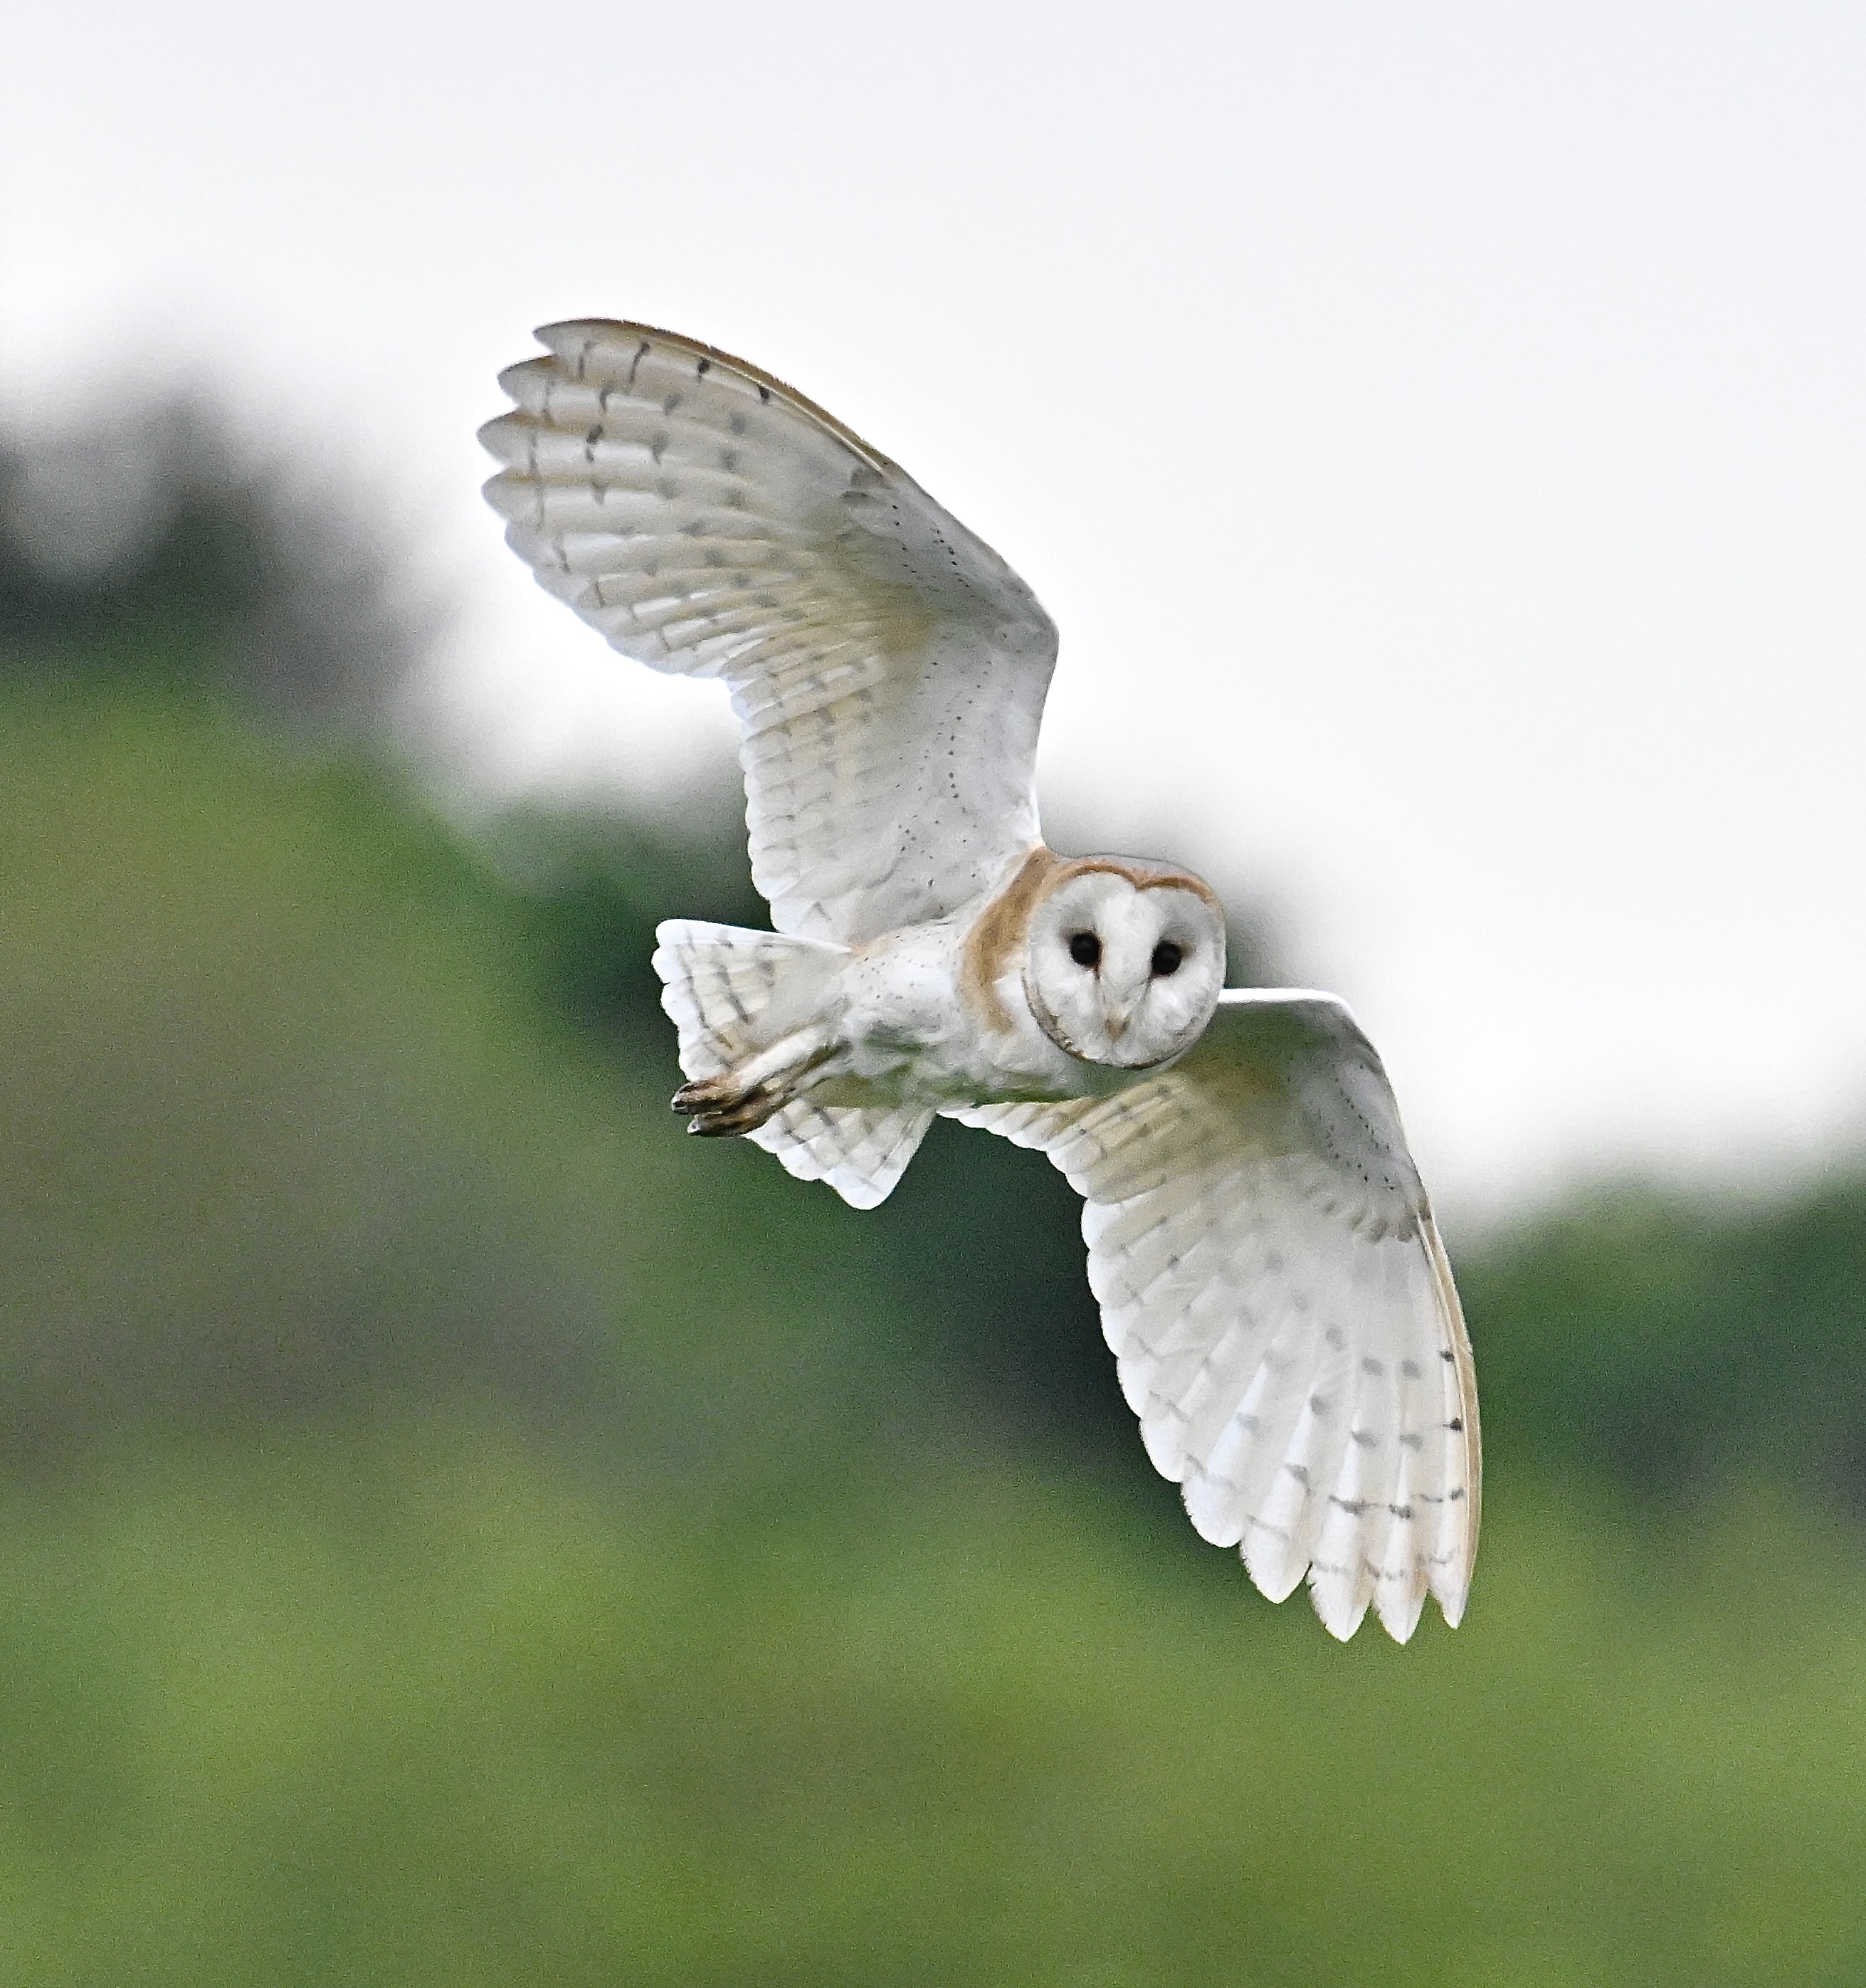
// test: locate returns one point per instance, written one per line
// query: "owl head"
(1124, 960)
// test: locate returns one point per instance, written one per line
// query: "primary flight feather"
(1270, 1277)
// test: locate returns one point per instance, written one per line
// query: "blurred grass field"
(455, 1530)
(421, 1706)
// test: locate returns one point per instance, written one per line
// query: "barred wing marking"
(1274, 1286)
(888, 668)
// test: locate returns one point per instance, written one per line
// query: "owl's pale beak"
(1118, 1019)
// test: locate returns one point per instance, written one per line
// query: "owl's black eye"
(1085, 948)
(1166, 957)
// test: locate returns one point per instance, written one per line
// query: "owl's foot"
(719, 1108)
(740, 1100)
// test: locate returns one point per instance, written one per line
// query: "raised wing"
(1274, 1289)
(888, 669)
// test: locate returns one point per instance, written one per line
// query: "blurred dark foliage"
(1648, 1342)
(264, 578)
(1656, 1341)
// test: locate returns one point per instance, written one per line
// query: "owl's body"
(891, 1022)
(941, 1014)
(1270, 1277)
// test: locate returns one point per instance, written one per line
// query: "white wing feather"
(888, 668)
(1274, 1286)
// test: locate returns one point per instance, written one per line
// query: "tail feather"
(727, 990)
(718, 980)
(860, 1152)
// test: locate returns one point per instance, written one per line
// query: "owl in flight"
(1269, 1275)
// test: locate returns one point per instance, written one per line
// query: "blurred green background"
(457, 1530)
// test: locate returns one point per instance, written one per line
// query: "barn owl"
(1269, 1275)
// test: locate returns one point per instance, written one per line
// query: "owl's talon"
(707, 1094)
(717, 1107)
(745, 1117)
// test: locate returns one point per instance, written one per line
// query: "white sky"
(1439, 432)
